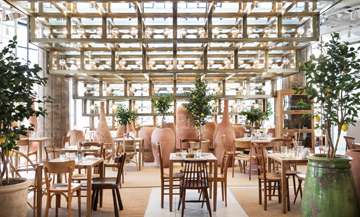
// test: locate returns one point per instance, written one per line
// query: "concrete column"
(299, 78)
(57, 122)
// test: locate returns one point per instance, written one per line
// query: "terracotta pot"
(145, 132)
(215, 132)
(184, 128)
(13, 199)
(355, 167)
(329, 188)
(209, 131)
(33, 120)
(226, 129)
(166, 137)
(120, 130)
(239, 130)
(76, 136)
(103, 128)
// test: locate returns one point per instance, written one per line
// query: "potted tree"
(254, 116)
(124, 117)
(17, 96)
(198, 106)
(332, 83)
(164, 136)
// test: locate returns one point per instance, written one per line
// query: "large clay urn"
(184, 128)
(145, 132)
(76, 136)
(103, 128)
(120, 131)
(355, 167)
(171, 126)
(239, 130)
(166, 138)
(209, 131)
(226, 129)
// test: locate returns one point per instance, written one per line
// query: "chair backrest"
(188, 140)
(97, 144)
(129, 143)
(195, 174)
(225, 165)
(66, 139)
(350, 142)
(242, 144)
(161, 160)
(59, 168)
(260, 159)
(120, 160)
(28, 162)
(23, 142)
(48, 150)
(282, 142)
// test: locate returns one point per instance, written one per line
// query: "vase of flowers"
(333, 84)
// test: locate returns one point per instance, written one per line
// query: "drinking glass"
(183, 153)
(62, 157)
(67, 155)
(245, 135)
(198, 153)
(292, 153)
(191, 150)
(270, 135)
(283, 151)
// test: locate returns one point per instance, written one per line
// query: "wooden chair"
(301, 177)
(222, 177)
(15, 171)
(129, 147)
(50, 155)
(110, 183)
(165, 178)
(59, 189)
(350, 143)
(97, 144)
(242, 158)
(26, 143)
(268, 178)
(195, 178)
(189, 140)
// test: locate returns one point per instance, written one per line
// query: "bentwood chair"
(26, 143)
(242, 158)
(350, 143)
(195, 178)
(187, 149)
(222, 177)
(129, 147)
(50, 155)
(112, 183)
(165, 178)
(65, 189)
(267, 179)
(301, 177)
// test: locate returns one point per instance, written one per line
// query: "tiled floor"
(192, 209)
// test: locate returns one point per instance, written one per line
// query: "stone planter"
(329, 188)
(145, 132)
(184, 128)
(239, 130)
(102, 127)
(226, 129)
(13, 199)
(209, 131)
(355, 167)
(166, 137)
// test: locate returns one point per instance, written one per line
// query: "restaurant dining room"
(179, 108)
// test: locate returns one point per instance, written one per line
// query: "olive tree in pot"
(17, 95)
(199, 106)
(125, 117)
(333, 84)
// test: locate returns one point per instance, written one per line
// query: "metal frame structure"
(107, 43)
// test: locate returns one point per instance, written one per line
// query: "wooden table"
(87, 163)
(210, 158)
(140, 141)
(40, 146)
(283, 162)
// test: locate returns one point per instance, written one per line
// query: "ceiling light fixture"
(149, 33)
(283, 30)
(234, 31)
(180, 89)
(183, 32)
(211, 63)
(47, 32)
(300, 30)
(166, 32)
(167, 63)
(285, 61)
(99, 31)
(133, 31)
(62, 62)
(241, 61)
(138, 63)
(250, 30)
(201, 32)
(115, 31)
(267, 31)
(216, 31)
(123, 63)
(64, 31)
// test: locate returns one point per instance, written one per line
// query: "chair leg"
(183, 202)
(207, 202)
(48, 201)
(260, 197)
(240, 165)
(93, 200)
(225, 190)
(222, 191)
(233, 168)
(69, 205)
(294, 184)
(121, 207)
(162, 194)
(270, 183)
(298, 190)
(79, 201)
(116, 211)
(288, 194)
(181, 193)
(265, 195)
(96, 199)
(278, 186)
(210, 189)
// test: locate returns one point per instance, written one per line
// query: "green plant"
(162, 105)
(124, 116)
(332, 83)
(269, 111)
(199, 105)
(17, 95)
(254, 116)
